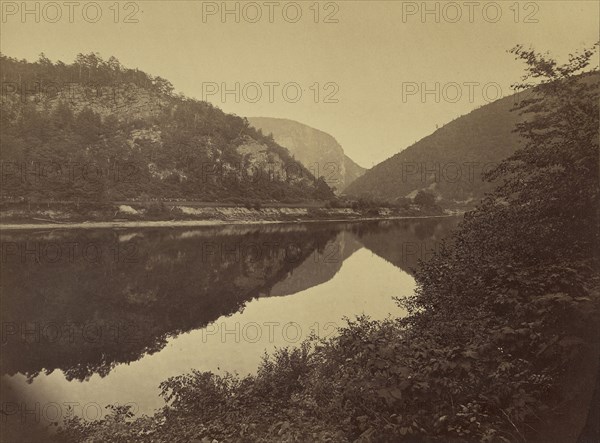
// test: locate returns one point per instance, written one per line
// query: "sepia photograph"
(348, 221)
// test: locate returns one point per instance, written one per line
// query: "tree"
(115, 66)
(88, 124)
(553, 180)
(63, 116)
(424, 199)
(322, 190)
(163, 86)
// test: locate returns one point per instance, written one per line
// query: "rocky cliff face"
(315, 149)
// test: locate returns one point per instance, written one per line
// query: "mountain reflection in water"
(104, 315)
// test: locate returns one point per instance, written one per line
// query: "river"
(96, 317)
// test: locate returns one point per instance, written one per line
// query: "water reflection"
(104, 316)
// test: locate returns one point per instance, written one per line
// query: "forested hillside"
(450, 162)
(94, 130)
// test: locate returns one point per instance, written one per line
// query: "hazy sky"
(376, 51)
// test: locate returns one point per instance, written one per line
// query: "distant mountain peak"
(317, 150)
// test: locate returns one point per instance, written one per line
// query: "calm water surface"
(101, 317)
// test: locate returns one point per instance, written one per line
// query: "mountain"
(94, 130)
(315, 149)
(320, 267)
(449, 162)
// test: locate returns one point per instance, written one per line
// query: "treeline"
(132, 136)
(500, 344)
(89, 69)
(423, 201)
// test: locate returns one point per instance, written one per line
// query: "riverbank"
(124, 216)
(194, 223)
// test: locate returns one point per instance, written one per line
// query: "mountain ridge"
(449, 162)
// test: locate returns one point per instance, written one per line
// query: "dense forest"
(501, 343)
(96, 131)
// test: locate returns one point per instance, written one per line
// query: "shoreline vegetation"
(199, 214)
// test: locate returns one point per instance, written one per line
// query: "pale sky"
(375, 51)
